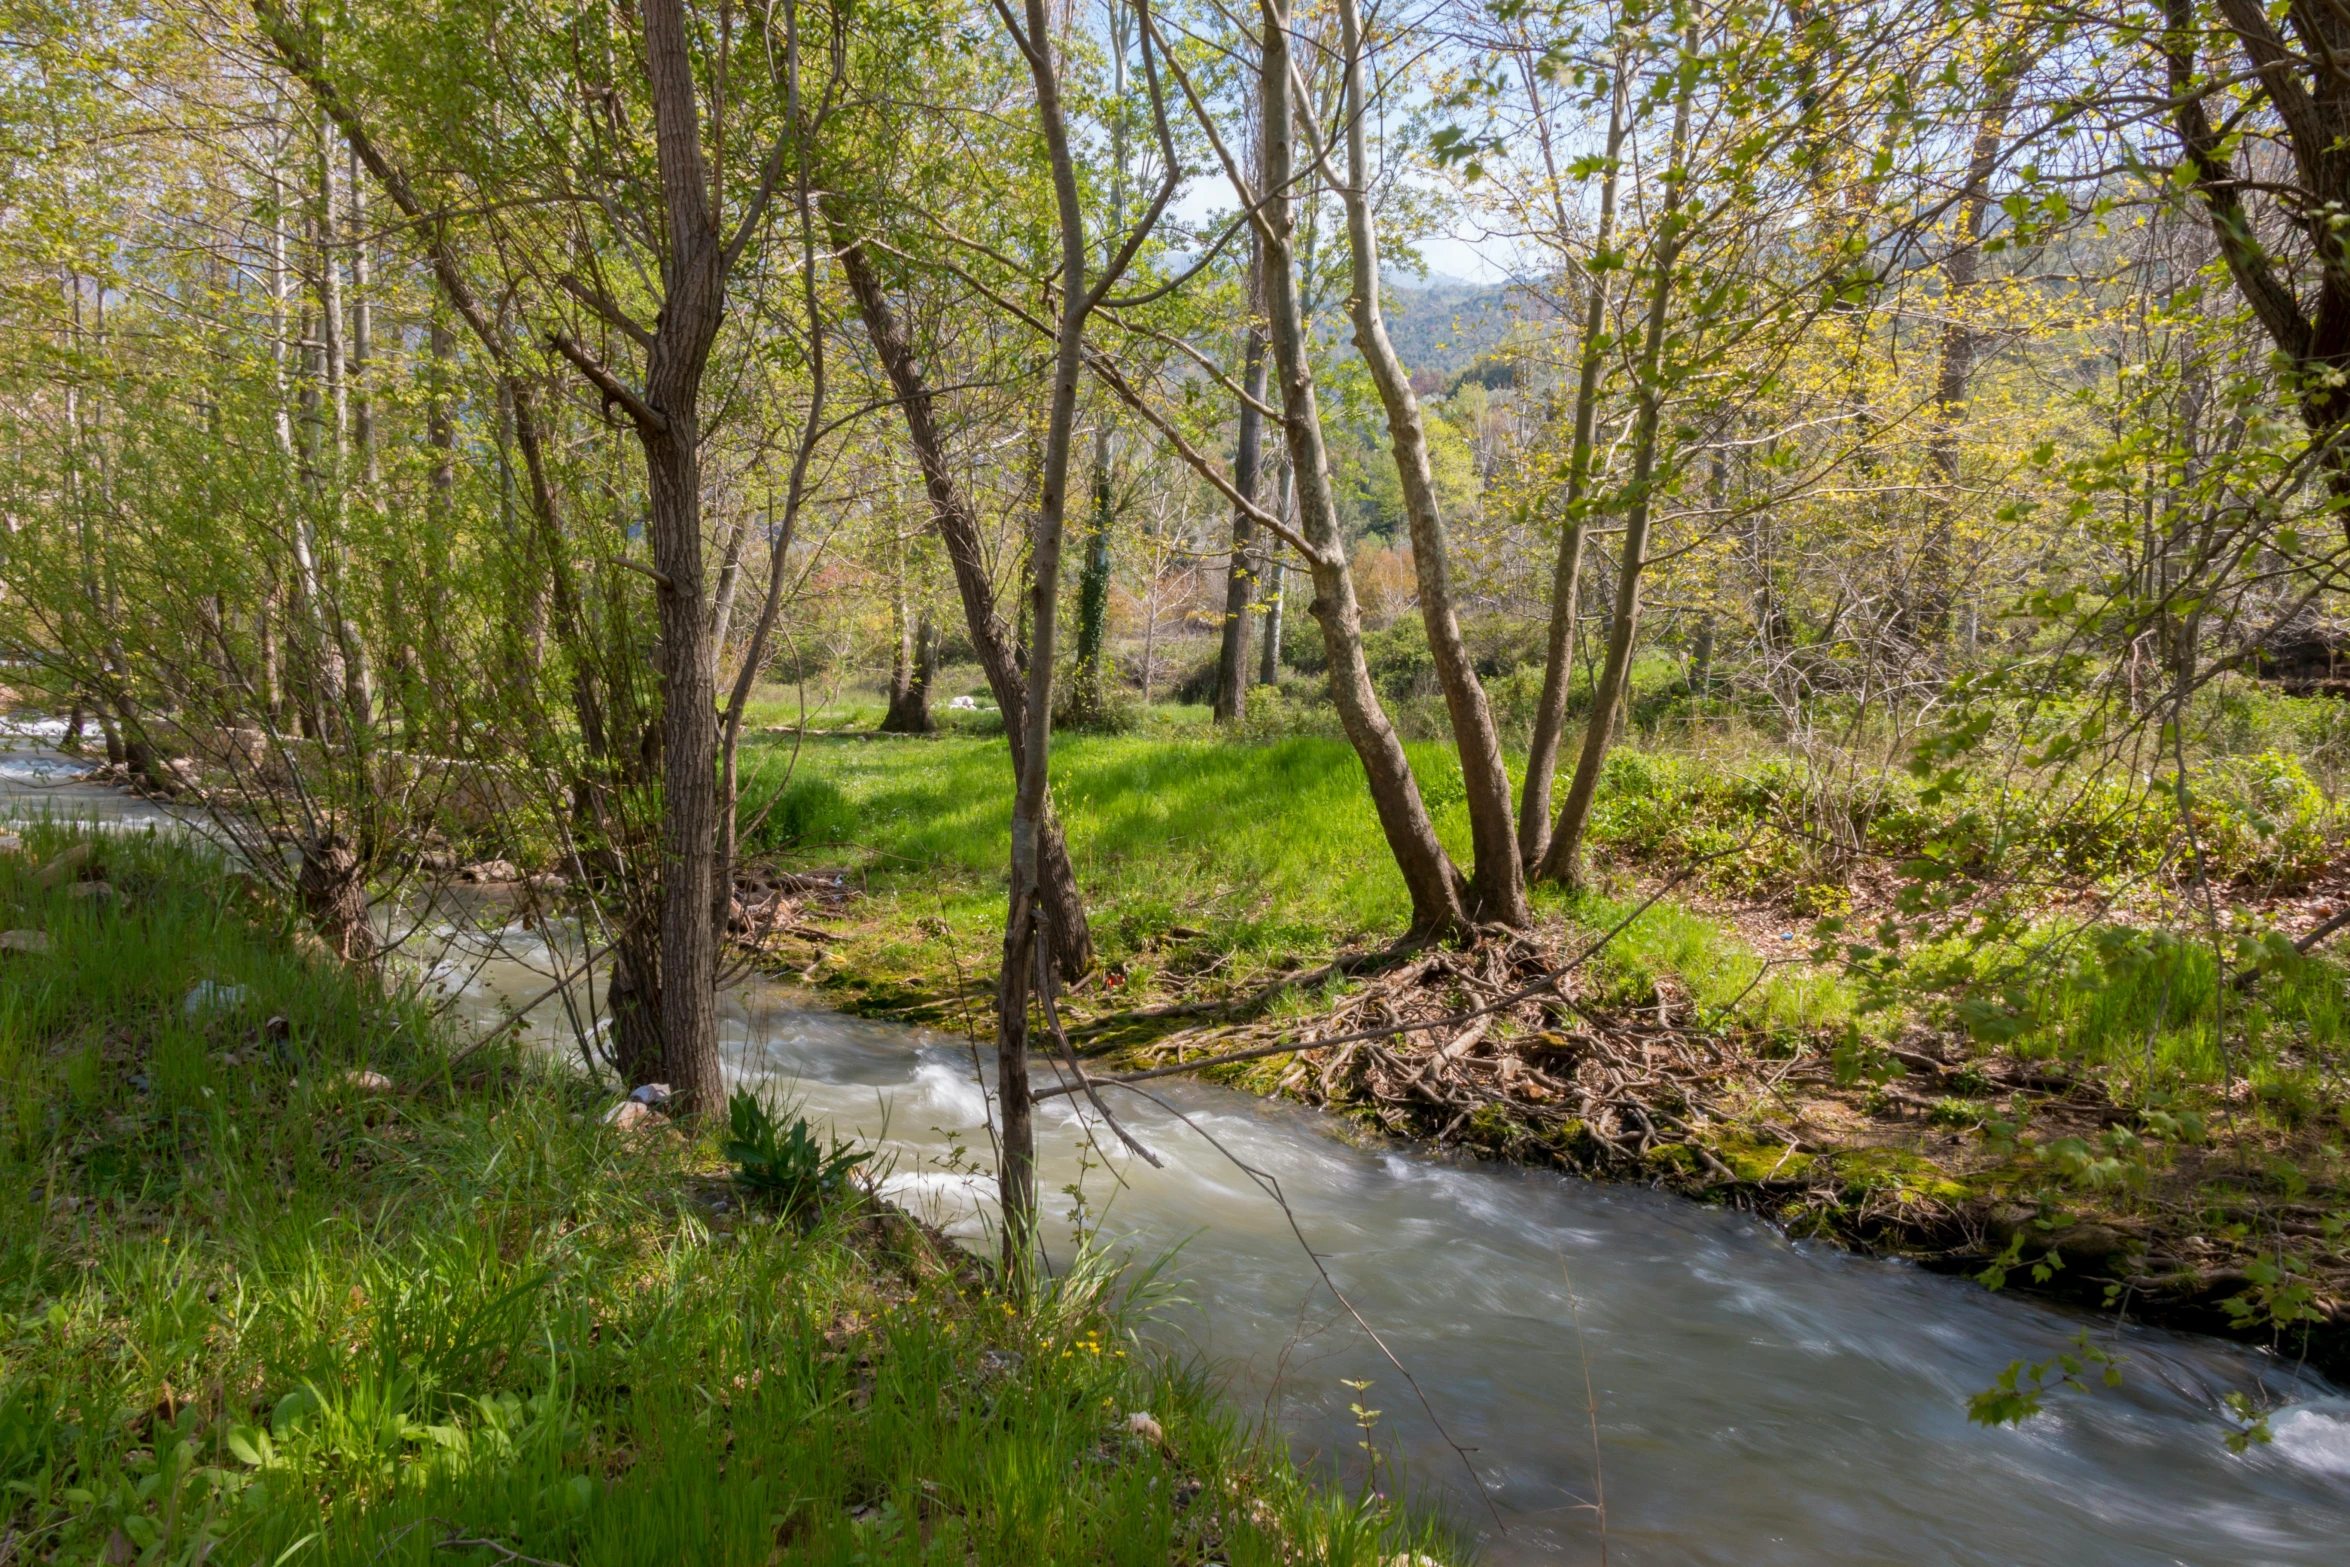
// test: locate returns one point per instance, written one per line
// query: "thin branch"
(648, 418)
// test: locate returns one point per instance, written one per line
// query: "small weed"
(786, 1164)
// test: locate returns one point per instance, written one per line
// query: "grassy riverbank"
(2094, 1114)
(252, 1298)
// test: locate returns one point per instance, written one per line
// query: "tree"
(1563, 860)
(1079, 294)
(1497, 891)
(675, 211)
(1241, 578)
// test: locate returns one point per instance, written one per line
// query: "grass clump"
(256, 1306)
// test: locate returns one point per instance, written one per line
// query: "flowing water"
(1757, 1400)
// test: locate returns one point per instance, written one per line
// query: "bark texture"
(1438, 890)
(1497, 889)
(991, 639)
(909, 684)
(1240, 578)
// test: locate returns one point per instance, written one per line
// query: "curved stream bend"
(1760, 1401)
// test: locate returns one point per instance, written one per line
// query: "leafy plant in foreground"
(788, 1164)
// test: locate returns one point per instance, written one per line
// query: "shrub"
(2262, 818)
(787, 1165)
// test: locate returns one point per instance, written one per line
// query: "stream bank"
(1742, 1397)
(302, 1279)
(2034, 1175)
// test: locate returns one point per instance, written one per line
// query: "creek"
(1759, 1400)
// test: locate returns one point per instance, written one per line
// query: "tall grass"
(253, 1311)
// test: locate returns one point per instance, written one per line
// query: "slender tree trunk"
(1276, 586)
(1497, 890)
(991, 639)
(911, 664)
(1437, 889)
(730, 577)
(1089, 701)
(1239, 580)
(1558, 663)
(1017, 1177)
(1959, 271)
(346, 669)
(1563, 861)
(362, 337)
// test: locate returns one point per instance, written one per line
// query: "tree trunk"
(1276, 587)
(1240, 580)
(1550, 715)
(333, 886)
(693, 277)
(1563, 861)
(991, 639)
(1437, 888)
(909, 684)
(1017, 1177)
(1959, 270)
(1089, 700)
(346, 673)
(1497, 889)
(634, 999)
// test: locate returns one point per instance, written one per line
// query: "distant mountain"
(1441, 324)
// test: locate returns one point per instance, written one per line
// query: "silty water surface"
(1759, 1401)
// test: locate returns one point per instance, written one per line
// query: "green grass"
(1721, 973)
(1274, 845)
(1255, 855)
(2147, 1006)
(250, 1312)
